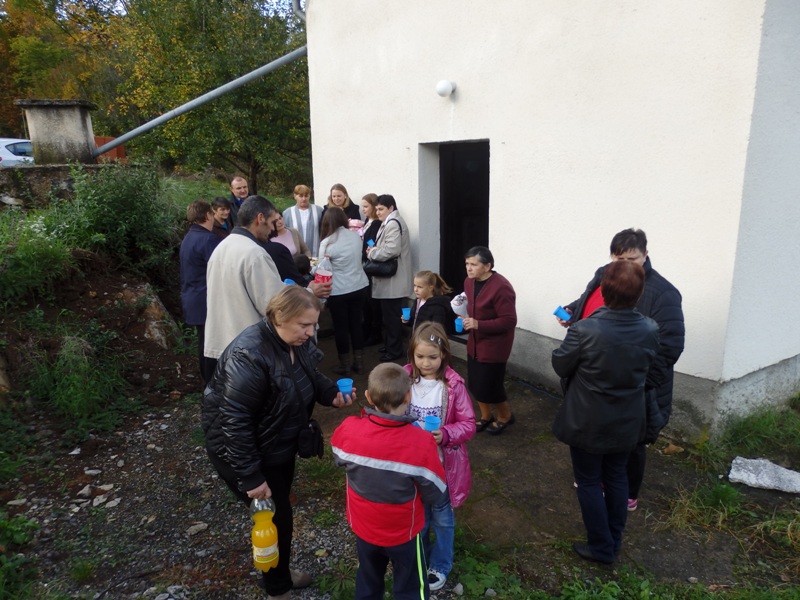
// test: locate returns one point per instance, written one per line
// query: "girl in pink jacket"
(438, 392)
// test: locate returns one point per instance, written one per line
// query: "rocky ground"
(140, 512)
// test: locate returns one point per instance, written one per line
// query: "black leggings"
(347, 311)
(636, 463)
(278, 580)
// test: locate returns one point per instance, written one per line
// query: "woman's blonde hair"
(341, 188)
(440, 287)
(433, 334)
(291, 302)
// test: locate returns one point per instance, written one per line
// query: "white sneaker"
(436, 580)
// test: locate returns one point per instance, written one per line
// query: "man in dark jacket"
(196, 249)
(660, 301)
(239, 192)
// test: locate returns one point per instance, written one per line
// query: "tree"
(57, 49)
(177, 50)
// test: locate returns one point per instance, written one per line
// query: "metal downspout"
(212, 95)
(298, 10)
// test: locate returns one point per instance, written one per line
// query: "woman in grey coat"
(393, 241)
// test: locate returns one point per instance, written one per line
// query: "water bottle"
(264, 534)
(324, 272)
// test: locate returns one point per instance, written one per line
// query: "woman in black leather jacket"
(603, 362)
(261, 396)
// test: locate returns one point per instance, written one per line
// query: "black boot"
(358, 362)
(344, 365)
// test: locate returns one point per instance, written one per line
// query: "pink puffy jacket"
(457, 429)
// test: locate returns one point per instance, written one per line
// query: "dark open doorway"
(464, 205)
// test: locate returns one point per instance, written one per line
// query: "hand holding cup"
(347, 393)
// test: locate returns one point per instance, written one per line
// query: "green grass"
(320, 475)
(326, 518)
(182, 191)
(769, 432)
(713, 505)
(82, 570)
(340, 582)
(769, 537)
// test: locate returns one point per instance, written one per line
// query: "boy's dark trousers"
(409, 568)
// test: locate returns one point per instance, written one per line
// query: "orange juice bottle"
(264, 534)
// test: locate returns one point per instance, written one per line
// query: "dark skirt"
(485, 381)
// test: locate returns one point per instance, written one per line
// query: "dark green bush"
(122, 212)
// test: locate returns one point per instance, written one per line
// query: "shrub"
(122, 212)
(32, 257)
(16, 570)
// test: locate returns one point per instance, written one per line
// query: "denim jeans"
(442, 520)
(603, 496)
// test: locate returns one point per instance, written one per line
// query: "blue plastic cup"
(562, 314)
(370, 243)
(432, 423)
(459, 325)
(345, 386)
(407, 314)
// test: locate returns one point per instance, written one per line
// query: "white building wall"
(762, 329)
(600, 116)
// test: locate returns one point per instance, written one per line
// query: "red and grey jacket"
(393, 468)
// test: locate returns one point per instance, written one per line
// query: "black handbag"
(382, 268)
(310, 441)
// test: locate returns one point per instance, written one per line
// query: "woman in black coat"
(603, 362)
(260, 398)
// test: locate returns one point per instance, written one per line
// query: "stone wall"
(34, 186)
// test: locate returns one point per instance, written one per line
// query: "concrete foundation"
(699, 407)
(60, 130)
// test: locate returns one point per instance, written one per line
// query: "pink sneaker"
(633, 504)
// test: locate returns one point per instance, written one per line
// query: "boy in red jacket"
(393, 468)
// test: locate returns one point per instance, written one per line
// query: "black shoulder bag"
(383, 268)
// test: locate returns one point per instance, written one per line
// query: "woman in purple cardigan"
(491, 305)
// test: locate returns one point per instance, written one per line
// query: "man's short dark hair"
(252, 207)
(629, 239)
(622, 284)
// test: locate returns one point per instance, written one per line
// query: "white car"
(15, 152)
